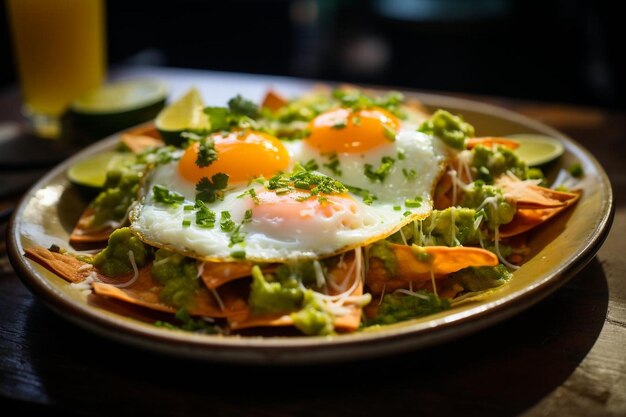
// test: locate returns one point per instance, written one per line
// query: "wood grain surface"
(565, 356)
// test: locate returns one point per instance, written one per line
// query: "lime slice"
(185, 113)
(118, 106)
(89, 174)
(536, 150)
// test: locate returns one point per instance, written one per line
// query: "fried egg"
(279, 225)
(372, 151)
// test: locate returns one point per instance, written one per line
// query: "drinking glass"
(59, 47)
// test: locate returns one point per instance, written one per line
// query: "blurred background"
(552, 50)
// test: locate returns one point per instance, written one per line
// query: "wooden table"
(564, 357)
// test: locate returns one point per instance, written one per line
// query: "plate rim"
(306, 349)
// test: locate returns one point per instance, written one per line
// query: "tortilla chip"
(348, 322)
(145, 292)
(147, 130)
(528, 195)
(490, 141)
(527, 219)
(442, 261)
(85, 237)
(216, 274)
(273, 101)
(534, 204)
(66, 266)
(140, 143)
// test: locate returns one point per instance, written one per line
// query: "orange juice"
(59, 46)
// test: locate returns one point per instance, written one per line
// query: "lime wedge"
(118, 106)
(536, 149)
(185, 113)
(89, 174)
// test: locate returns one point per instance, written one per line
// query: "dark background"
(549, 50)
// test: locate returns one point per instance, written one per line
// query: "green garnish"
(247, 217)
(409, 174)
(244, 107)
(206, 153)
(252, 193)
(205, 217)
(305, 180)
(368, 197)
(390, 134)
(238, 254)
(382, 171)
(164, 196)
(211, 190)
(227, 224)
(358, 100)
(240, 113)
(413, 203)
(237, 236)
(311, 165)
(333, 164)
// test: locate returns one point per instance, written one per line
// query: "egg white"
(305, 235)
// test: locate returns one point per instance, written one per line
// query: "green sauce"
(482, 278)
(274, 294)
(451, 129)
(491, 163)
(120, 190)
(400, 307)
(178, 275)
(497, 213)
(383, 251)
(453, 226)
(114, 259)
(312, 319)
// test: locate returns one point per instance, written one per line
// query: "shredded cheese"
(131, 258)
(84, 286)
(217, 298)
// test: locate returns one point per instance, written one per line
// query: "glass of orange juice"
(59, 47)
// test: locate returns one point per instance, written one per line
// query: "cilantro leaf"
(206, 153)
(210, 190)
(241, 106)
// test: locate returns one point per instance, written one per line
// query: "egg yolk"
(293, 208)
(241, 155)
(347, 131)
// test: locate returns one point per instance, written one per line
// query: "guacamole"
(114, 260)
